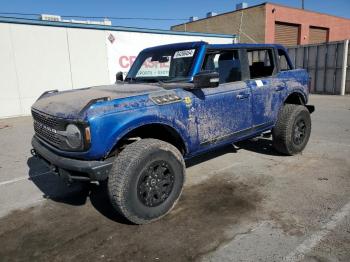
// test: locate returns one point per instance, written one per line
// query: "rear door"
(224, 112)
(265, 85)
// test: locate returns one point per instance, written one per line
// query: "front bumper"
(72, 169)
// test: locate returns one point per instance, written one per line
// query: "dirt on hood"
(70, 103)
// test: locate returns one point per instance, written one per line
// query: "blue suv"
(176, 102)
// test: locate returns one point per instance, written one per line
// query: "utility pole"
(302, 4)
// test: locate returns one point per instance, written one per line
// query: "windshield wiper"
(178, 79)
(130, 79)
(144, 80)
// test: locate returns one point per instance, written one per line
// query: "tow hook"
(53, 169)
(65, 176)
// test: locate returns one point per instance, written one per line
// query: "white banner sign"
(123, 47)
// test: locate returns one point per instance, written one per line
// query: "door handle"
(280, 88)
(242, 96)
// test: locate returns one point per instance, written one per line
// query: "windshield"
(164, 65)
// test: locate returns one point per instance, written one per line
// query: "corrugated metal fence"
(326, 64)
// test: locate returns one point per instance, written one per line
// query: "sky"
(174, 9)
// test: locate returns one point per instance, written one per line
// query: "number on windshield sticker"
(184, 53)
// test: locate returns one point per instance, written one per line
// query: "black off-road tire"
(134, 169)
(292, 130)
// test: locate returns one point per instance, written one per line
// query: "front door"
(224, 112)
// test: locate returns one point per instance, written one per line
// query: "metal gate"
(327, 65)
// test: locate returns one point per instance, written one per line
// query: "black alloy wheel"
(299, 132)
(155, 184)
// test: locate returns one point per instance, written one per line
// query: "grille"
(47, 135)
(48, 120)
(43, 124)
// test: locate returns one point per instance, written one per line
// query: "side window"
(226, 63)
(282, 57)
(260, 63)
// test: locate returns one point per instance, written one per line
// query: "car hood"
(70, 104)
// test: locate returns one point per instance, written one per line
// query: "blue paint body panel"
(204, 118)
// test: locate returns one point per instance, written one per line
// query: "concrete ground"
(242, 203)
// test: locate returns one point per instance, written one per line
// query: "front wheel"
(146, 180)
(292, 130)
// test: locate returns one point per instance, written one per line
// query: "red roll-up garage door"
(318, 35)
(286, 34)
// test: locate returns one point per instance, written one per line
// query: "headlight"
(74, 137)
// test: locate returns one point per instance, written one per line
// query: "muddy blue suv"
(176, 102)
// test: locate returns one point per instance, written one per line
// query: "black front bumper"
(73, 169)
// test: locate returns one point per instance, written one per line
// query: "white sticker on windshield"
(184, 53)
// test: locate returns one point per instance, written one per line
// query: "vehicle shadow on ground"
(77, 194)
(210, 155)
(82, 193)
(257, 145)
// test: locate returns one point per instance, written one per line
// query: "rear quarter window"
(261, 63)
(283, 61)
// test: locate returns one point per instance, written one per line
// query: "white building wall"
(9, 92)
(88, 57)
(42, 61)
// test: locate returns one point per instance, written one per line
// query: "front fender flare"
(177, 126)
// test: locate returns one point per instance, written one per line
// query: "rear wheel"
(292, 130)
(146, 180)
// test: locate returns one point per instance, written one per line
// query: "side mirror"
(206, 80)
(119, 76)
